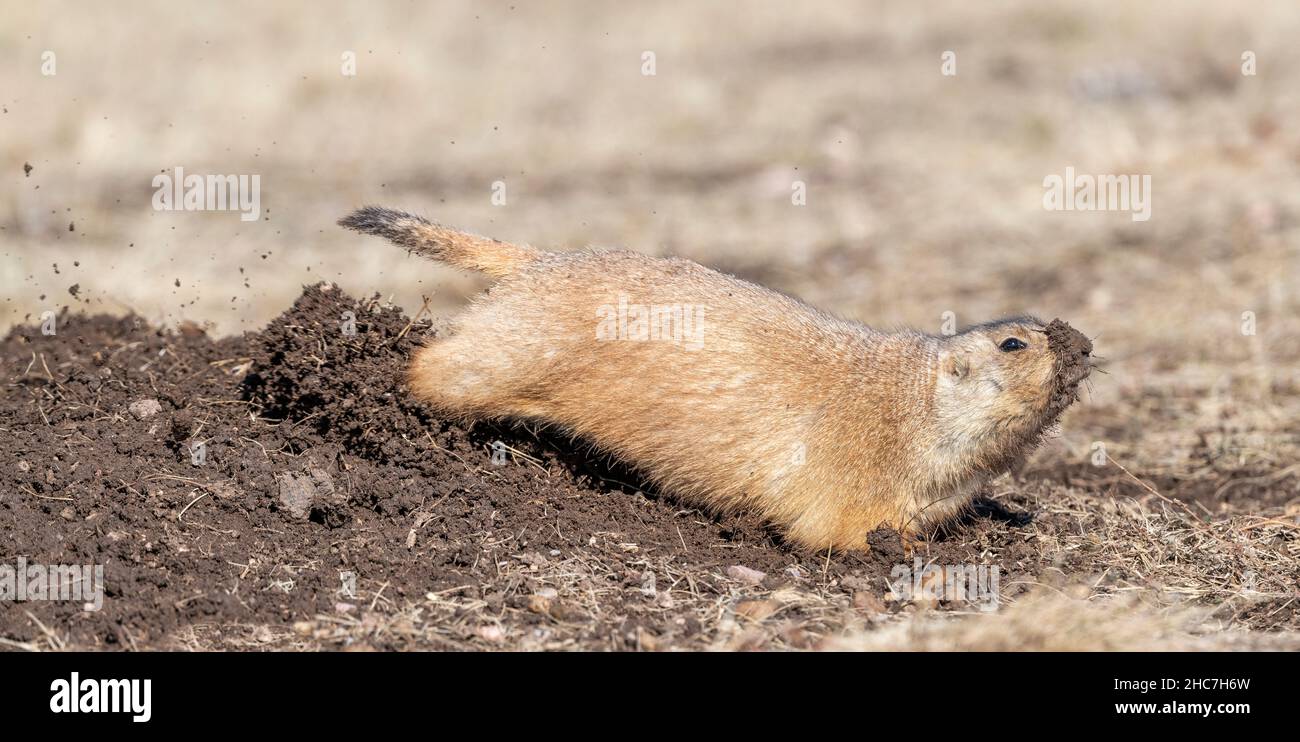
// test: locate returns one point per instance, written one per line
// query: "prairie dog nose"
(1067, 342)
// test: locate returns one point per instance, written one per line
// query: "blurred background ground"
(924, 191)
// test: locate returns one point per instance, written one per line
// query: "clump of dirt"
(1071, 349)
(1067, 342)
(261, 490)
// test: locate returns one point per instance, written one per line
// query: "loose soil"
(283, 490)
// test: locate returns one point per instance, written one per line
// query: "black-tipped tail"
(390, 224)
(451, 246)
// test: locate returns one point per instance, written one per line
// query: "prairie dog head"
(1001, 383)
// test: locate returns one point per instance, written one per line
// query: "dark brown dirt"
(229, 485)
(277, 461)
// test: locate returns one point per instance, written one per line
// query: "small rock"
(549, 593)
(300, 493)
(745, 574)
(296, 493)
(490, 633)
(144, 409)
(24, 467)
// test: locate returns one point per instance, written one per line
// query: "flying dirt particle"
(72, 227)
(178, 283)
(56, 268)
(27, 166)
(76, 264)
(74, 289)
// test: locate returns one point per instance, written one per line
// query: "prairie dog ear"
(956, 366)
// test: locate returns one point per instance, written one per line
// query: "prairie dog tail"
(453, 247)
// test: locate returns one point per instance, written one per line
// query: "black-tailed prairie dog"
(733, 396)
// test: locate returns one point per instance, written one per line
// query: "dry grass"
(1060, 623)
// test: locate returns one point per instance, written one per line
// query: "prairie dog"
(730, 395)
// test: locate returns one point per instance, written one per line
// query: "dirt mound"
(282, 490)
(236, 489)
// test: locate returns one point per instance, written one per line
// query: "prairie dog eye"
(1010, 344)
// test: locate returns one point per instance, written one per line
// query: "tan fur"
(826, 427)
(454, 247)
